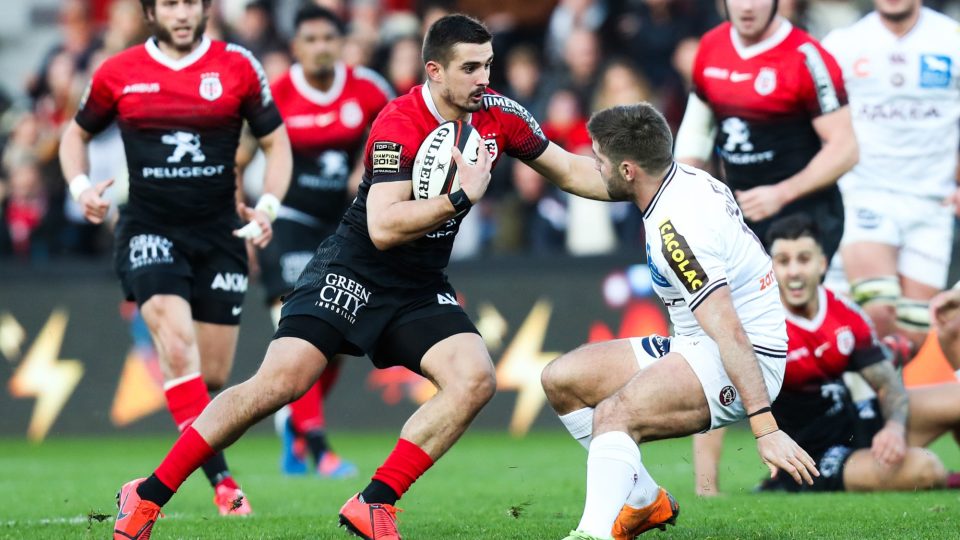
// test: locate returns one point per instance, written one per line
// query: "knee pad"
(913, 315)
(883, 290)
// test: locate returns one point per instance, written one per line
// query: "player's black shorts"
(292, 247)
(826, 210)
(346, 301)
(204, 264)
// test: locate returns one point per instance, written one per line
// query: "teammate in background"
(378, 286)
(725, 362)
(327, 107)
(180, 101)
(827, 336)
(900, 68)
(784, 135)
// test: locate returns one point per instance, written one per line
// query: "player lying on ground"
(827, 336)
(378, 287)
(726, 361)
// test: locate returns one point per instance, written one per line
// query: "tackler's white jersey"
(697, 243)
(904, 96)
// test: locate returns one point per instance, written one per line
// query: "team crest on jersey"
(766, 81)
(845, 341)
(728, 395)
(351, 115)
(492, 148)
(681, 259)
(210, 87)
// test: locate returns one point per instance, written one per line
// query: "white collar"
(432, 106)
(154, 51)
(319, 97)
(811, 325)
(747, 52)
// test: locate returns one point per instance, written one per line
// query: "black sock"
(153, 490)
(216, 469)
(317, 443)
(378, 492)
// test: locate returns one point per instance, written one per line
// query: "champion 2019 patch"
(386, 157)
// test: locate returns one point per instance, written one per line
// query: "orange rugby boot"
(231, 501)
(370, 521)
(633, 522)
(135, 516)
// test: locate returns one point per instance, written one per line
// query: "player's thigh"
(290, 366)
(933, 411)
(864, 260)
(594, 371)
(460, 362)
(920, 469)
(928, 229)
(662, 401)
(170, 322)
(217, 344)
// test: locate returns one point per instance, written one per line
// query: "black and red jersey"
(180, 121)
(503, 124)
(764, 98)
(326, 130)
(814, 406)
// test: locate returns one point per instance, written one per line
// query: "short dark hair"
(793, 227)
(635, 132)
(313, 12)
(449, 30)
(152, 4)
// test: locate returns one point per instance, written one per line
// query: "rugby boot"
(370, 521)
(135, 516)
(633, 522)
(334, 467)
(293, 451)
(579, 535)
(231, 501)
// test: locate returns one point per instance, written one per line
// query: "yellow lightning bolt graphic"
(42, 375)
(520, 366)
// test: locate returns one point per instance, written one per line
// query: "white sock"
(580, 424)
(612, 468)
(645, 491)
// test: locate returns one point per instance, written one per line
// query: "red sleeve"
(391, 148)
(525, 140)
(98, 106)
(823, 90)
(257, 105)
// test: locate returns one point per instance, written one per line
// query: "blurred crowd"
(562, 60)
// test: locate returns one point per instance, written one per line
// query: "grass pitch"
(488, 486)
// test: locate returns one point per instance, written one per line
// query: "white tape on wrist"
(269, 204)
(78, 185)
(250, 230)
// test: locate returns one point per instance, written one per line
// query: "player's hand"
(779, 452)
(890, 444)
(94, 206)
(474, 179)
(761, 202)
(257, 229)
(953, 200)
(943, 308)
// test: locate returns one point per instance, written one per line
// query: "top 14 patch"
(681, 259)
(386, 157)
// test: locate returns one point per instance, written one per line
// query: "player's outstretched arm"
(73, 163)
(571, 172)
(718, 318)
(394, 218)
(838, 154)
(695, 138)
(276, 180)
(890, 443)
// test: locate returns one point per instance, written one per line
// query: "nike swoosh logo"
(236, 310)
(121, 514)
(740, 77)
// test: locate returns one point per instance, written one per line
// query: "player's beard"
(467, 105)
(898, 17)
(164, 35)
(618, 188)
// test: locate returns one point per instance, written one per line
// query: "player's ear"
(434, 70)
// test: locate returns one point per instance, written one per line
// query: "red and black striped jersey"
(180, 121)
(764, 98)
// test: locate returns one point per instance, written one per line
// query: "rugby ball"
(434, 170)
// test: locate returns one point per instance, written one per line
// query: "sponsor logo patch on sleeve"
(386, 157)
(681, 259)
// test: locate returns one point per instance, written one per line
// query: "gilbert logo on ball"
(434, 171)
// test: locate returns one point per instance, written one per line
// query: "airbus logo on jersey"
(343, 296)
(184, 143)
(230, 282)
(141, 88)
(681, 259)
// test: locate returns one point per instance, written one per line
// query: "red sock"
(188, 453)
(405, 464)
(306, 413)
(186, 399)
(329, 376)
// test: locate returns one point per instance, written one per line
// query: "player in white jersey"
(901, 67)
(726, 361)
